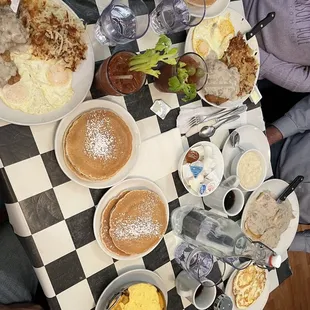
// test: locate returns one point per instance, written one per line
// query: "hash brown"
(240, 55)
(54, 32)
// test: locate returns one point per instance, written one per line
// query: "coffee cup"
(227, 198)
(201, 296)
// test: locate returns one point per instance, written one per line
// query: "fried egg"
(213, 35)
(44, 85)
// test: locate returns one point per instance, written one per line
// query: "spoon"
(235, 141)
(209, 131)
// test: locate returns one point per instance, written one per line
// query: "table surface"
(53, 216)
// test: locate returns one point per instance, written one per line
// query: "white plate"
(250, 138)
(276, 187)
(261, 301)
(242, 25)
(211, 11)
(139, 275)
(82, 80)
(219, 169)
(125, 116)
(129, 184)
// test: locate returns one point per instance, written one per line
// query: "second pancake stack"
(133, 222)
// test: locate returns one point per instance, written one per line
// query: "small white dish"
(276, 187)
(129, 184)
(133, 276)
(242, 25)
(217, 8)
(250, 138)
(125, 116)
(81, 83)
(219, 169)
(236, 164)
(259, 303)
(212, 10)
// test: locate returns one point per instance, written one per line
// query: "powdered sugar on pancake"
(99, 142)
(142, 226)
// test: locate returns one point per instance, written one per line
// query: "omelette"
(140, 296)
(248, 285)
(212, 36)
(266, 220)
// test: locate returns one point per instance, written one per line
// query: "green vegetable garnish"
(179, 83)
(191, 70)
(148, 61)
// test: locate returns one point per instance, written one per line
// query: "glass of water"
(120, 23)
(171, 16)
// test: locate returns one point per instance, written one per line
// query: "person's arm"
(291, 76)
(296, 120)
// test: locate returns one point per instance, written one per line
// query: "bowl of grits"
(251, 169)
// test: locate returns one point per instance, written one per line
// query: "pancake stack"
(133, 222)
(139, 296)
(97, 145)
(248, 285)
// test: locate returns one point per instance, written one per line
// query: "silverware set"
(219, 118)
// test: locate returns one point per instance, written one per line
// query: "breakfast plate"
(62, 130)
(250, 138)
(133, 276)
(81, 82)
(127, 185)
(240, 24)
(276, 187)
(259, 303)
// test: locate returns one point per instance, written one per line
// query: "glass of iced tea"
(115, 78)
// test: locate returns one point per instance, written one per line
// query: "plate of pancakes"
(131, 219)
(248, 288)
(221, 39)
(98, 144)
(135, 289)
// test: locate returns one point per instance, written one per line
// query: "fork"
(198, 119)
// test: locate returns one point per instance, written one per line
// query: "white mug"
(217, 198)
(202, 297)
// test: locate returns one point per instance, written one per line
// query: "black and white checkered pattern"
(53, 216)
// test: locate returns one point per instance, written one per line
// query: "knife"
(260, 25)
(290, 189)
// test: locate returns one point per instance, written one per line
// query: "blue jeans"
(18, 281)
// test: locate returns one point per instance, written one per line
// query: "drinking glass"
(202, 266)
(120, 24)
(176, 15)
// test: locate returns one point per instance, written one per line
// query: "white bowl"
(219, 170)
(125, 116)
(129, 184)
(235, 166)
(138, 275)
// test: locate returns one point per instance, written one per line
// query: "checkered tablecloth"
(53, 216)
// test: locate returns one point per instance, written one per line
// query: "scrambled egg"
(213, 35)
(142, 296)
(44, 85)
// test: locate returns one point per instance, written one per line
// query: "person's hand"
(273, 134)
(21, 307)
